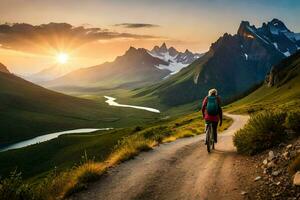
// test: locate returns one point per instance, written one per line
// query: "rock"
(293, 154)
(270, 165)
(265, 162)
(278, 183)
(265, 171)
(257, 178)
(296, 180)
(289, 146)
(276, 195)
(244, 192)
(271, 155)
(276, 173)
(286, 155)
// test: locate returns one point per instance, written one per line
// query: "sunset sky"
(97, 31)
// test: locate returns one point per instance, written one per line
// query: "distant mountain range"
(49, 73)
(136, 68)
(175, 60)
(233, 64)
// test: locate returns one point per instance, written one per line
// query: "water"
(44, 138)
(111, 102)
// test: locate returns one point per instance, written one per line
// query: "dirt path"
(179, 170)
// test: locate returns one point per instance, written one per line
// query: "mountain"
(28, 110)
(273, 33)
(175, 60)
(3, 68)
(233, 64)
(49, 73)
(281, 89)
(133, 69)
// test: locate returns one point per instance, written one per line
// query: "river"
(112, 102)
(44, 138)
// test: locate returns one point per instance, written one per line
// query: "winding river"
(112, 102)
(47, 137)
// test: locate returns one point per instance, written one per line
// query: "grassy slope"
(28, 110)
(285, 95)
(67, 150)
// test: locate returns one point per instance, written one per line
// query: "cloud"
(57, 36)
(137, 25)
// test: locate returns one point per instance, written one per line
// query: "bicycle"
(210, 140)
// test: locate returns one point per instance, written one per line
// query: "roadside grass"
(60, 184)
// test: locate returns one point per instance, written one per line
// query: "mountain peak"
(277, 24)
(172, 51)
(275, 21)
(187, 51)
(131, 48)
(3, 68)
(243, 28)
(163, 47)
(133, 51)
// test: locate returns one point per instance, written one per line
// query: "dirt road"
(179, 170)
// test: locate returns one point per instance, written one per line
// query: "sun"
(62, 58)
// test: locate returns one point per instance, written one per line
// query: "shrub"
(138, 128)
(13, 188)
(263, 131)
(292, 121)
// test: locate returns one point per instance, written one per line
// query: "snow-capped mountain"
(175, 60)
(274, 34)
(135, 68)
(233, 64)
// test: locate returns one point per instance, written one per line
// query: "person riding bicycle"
(212, 111)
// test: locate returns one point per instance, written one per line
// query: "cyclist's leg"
(215, 131)
(206, 127)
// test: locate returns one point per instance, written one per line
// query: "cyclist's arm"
(204, 103)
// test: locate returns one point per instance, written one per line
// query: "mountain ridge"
(233, 64)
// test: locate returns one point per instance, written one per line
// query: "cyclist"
(212, 111)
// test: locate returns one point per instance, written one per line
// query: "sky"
(96, 31)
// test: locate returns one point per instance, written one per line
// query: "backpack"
(212, 106)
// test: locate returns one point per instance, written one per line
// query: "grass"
(39, 111)
(105, 149)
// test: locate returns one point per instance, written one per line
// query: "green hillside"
(98, 145)
(28, 110)
(281, 91)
